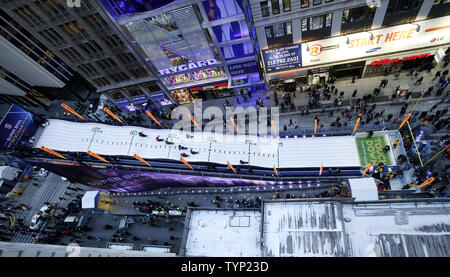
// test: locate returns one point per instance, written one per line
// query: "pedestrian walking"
(437, 75)
(419, 81)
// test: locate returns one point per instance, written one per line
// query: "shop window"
(401, 12)
(286, 5)
(357, 19)
(217, 9)
(182, 96)
(230, 31)
(239, 50)
(239, 81)
(305, 3)
(279, 35)
(317, 27)
(275, 7)
(264, 8)
(440, 8)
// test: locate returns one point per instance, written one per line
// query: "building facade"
(86, 40)
(310, 40)
(199, 49)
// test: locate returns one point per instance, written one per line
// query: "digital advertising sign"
(16, 123)
(283, 58)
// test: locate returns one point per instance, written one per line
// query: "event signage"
(428, 33)
(14, 125)
(283, 58)
(243, 68)
(191, 65)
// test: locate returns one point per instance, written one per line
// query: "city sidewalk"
(364, 86)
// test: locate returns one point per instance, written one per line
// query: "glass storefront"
(210, 91)
(182, 96)
(392, 65)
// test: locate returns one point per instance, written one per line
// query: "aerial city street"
(224, 128)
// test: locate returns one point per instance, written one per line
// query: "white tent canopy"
(363, 189)
(89, 200)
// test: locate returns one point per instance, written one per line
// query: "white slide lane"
(331, 151)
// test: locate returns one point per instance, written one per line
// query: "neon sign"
(189, 77)
(387, 61)
(190, 66)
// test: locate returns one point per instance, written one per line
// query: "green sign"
(371, 151)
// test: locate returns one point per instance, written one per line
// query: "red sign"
(285, 75)
(196, 89)
(220, 85)
(387, 61)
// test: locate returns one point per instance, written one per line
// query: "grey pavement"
(49, 190)
(364, 86)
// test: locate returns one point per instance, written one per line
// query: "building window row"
(101, 82)
(88, 69)
(53, 8)
(96, 21)
(106, 64)
(28, 15)
(279, 34)
(91, 48)
(119, 77)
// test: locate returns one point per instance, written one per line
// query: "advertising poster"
(283, 58)
(16, 123)
(429, 33)
(243, 68)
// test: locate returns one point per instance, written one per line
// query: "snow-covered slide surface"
(337, 151)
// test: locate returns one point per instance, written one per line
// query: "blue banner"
(283, 58)
(16, 123)
(243, 68)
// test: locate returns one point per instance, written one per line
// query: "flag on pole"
(141, 159)
(357, 123)
(186, 163)
(52, 152)
(231, 166)
(152, 117)
(96, 156)
(70, 110)
(112, 114)
(367, 168)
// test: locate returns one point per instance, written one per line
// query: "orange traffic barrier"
(408, 116)
(141, 159)
(275, 169)
(427, 182)
(315, 126)
(186, 163)
(357, 123)
(273, 128)
(112, 114)
(234, 124)
(70, 110)
(231, 166)
(193, 120)
(367, 168)
(52, 152)
(96, 156)
(321, 169)
(152, 117)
